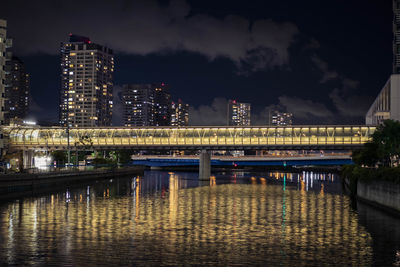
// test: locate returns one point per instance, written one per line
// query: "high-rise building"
(17, 90)
(280, 118)
(86, 83)
(396, 36)
(146, 105)
(138, 102)
(4, 56)
(162, 105)
(387, 104)
(238, 113)
(179, 114)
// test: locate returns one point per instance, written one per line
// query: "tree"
(387, 141)
(384, 149)
(124, 156)
(368, 156)
(59, 156)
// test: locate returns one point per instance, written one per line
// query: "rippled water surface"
(172, 218)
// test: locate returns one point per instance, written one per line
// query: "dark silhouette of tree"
(384, 149)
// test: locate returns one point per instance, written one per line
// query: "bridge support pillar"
(205, 165)
(27, 159)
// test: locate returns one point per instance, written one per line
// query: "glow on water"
(172, 218)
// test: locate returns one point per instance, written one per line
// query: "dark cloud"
(35, 111)
(305, 109)
(210, 115)
(312, 44)
(350, 105)
(147, 27)
(328, 74)
(118, 107)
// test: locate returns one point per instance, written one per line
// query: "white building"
(387, 104)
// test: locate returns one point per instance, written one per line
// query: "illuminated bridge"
(205, 138)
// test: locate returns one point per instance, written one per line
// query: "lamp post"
(68, 146)
(68, 143)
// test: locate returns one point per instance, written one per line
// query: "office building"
(387, 104)
(86, 83)
(280, 118)
(138, 102)
(179, 114)
(238, 113)
(16, 91)
(4, 56)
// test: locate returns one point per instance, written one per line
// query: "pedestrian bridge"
(200, 137)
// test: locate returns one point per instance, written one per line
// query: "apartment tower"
(17, 91)
(86, 83)
(4, 56)
(179, 114)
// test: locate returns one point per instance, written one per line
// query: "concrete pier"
(205, 165)
(27, 158)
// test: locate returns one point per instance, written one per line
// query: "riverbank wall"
(15, 185)
(380, 193)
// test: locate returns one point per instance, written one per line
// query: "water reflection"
(170, 218)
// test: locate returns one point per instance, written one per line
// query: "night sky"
(325, 61)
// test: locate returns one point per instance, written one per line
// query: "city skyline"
(184, 132)
(330, 69)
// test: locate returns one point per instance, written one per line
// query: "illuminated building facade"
(17, 90)
(281, 118)
(138, 102)
(4, 56)
(238, 113)
(86, 83)
(387, 104)
(179, 114)
(146, 105)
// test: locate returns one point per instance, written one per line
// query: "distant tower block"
(238, 113)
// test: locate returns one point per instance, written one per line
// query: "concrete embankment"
(380, 193)
(15, 185)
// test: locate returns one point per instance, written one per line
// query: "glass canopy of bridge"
(189, 136)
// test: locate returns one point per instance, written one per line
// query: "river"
(172, 218)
